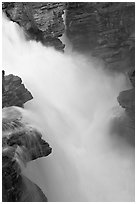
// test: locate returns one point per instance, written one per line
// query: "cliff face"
(22, 143)
(107, 31)
(40, 21)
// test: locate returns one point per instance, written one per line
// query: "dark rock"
(21, 136)
(21, 143)
(54, 42)
(104, 29)
(31, 192)
(131, 75)
(21, 190)
(127, 99)
(14, 92)
(40, 21)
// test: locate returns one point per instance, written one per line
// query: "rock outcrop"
(41, 21)
(14, 92)
(104, 29)
(127, 100)
(21, 143)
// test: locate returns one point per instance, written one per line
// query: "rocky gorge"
(106, 30)
(103, 30)
(41, 22)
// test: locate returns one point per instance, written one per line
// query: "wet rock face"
(127, 100)
(105, 30)
(14, 92)
(40, 21)
(19, 135)
(21, 143)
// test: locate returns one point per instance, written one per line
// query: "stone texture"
(21, 143)
(14, 92)
(41, 21)
(21, 137)
(127, 100)
(105, 30)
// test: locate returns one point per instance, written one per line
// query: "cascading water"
(75, 100)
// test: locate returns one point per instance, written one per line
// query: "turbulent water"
(75, 101)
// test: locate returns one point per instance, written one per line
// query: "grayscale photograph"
(68, 101)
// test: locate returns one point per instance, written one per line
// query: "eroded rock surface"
(41, 21)
(21, 143)
(14, 92)
(127, 100)
(104, 29)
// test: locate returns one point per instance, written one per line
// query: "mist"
(74, 104)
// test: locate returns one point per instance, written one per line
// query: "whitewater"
(74, 104)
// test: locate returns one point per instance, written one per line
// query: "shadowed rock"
(21, 143)
(127, 100)
(105, 30)
(14, 92)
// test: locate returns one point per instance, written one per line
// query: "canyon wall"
(20, 144)
(106, 30)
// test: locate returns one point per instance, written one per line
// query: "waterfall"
(75, 102)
